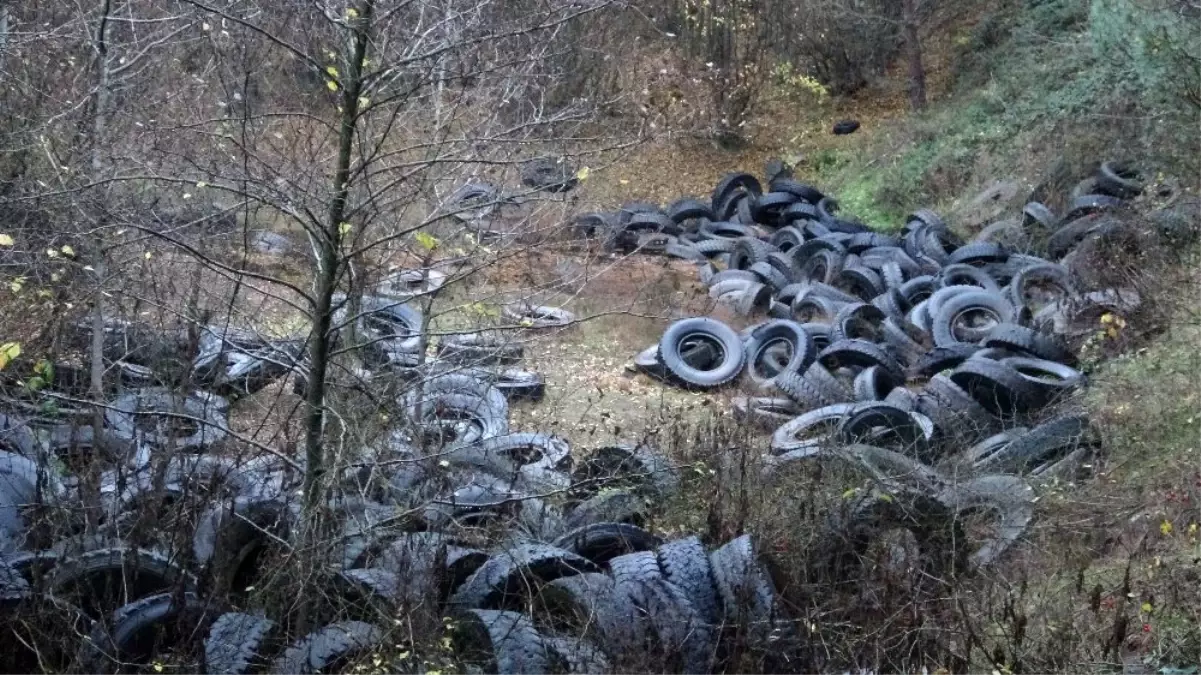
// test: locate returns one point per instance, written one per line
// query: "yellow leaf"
(148, 256)
(8, 352)
(848, 494)
(333, 72)
(6, 240)
(43, 293)
(1146, 608)
(202, 184)
(51, 253)
(623, 181)
(582, 174)
(158, 667)
(68, 251)
(364, 101)
(17, 284)
(331, 55)
(1165, 527)
(427, 240)
(352, 13)
(1192, 529)
(344, 229)
(331, 85)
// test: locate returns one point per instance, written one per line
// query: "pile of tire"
(152, 537)
(918, 351)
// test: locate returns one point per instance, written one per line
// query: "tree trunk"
(330, 247)
(913, 48)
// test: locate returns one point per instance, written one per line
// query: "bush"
(1153, 45)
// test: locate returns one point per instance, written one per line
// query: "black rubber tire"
(134, 634)
(502, 642)
(16, 436)
(787, 238)
(902, 398)
(996, 386)
(650, 471)
(958, 416)
(769, 275)
(1084, 205)
(1038, 213)
(732, 183)
(748, 251)
(812, 430)
(721, 229)
(874, 383)
(685, 563)
(206, 412)
(464, 381)
(859, 281)
(944, 358)
(805, 212)
(769, 206)
(1054, 381)
(983, 451)
(962, 274)
(231, 538)
(333, 648)
(733, 356)
(763, 412)
(1118, 179)
(684, 642)
(1022, 339)
(1009, 497)
(773, 333)
(906, 340)
(851, 531)
(747, 594)
(887, 426)
(482, 420)
(101, 581)
(978, 254)
(592, 225)
(1071, 232)
(859, 353)
(711, 248)
(537, 316)
(946, 330)
(893, 275)
(236, 643)
(505, 580)
(1057, 276)
(857, 321)
(1042, 444)
(801, 190)
(822, 266)
(601, 542)
(577, 656)
(845, 127)
(689, 209)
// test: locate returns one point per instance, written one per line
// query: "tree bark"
(913, 48)
(330, 262)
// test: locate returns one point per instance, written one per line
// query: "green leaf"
(35, 383)
(428, 241)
